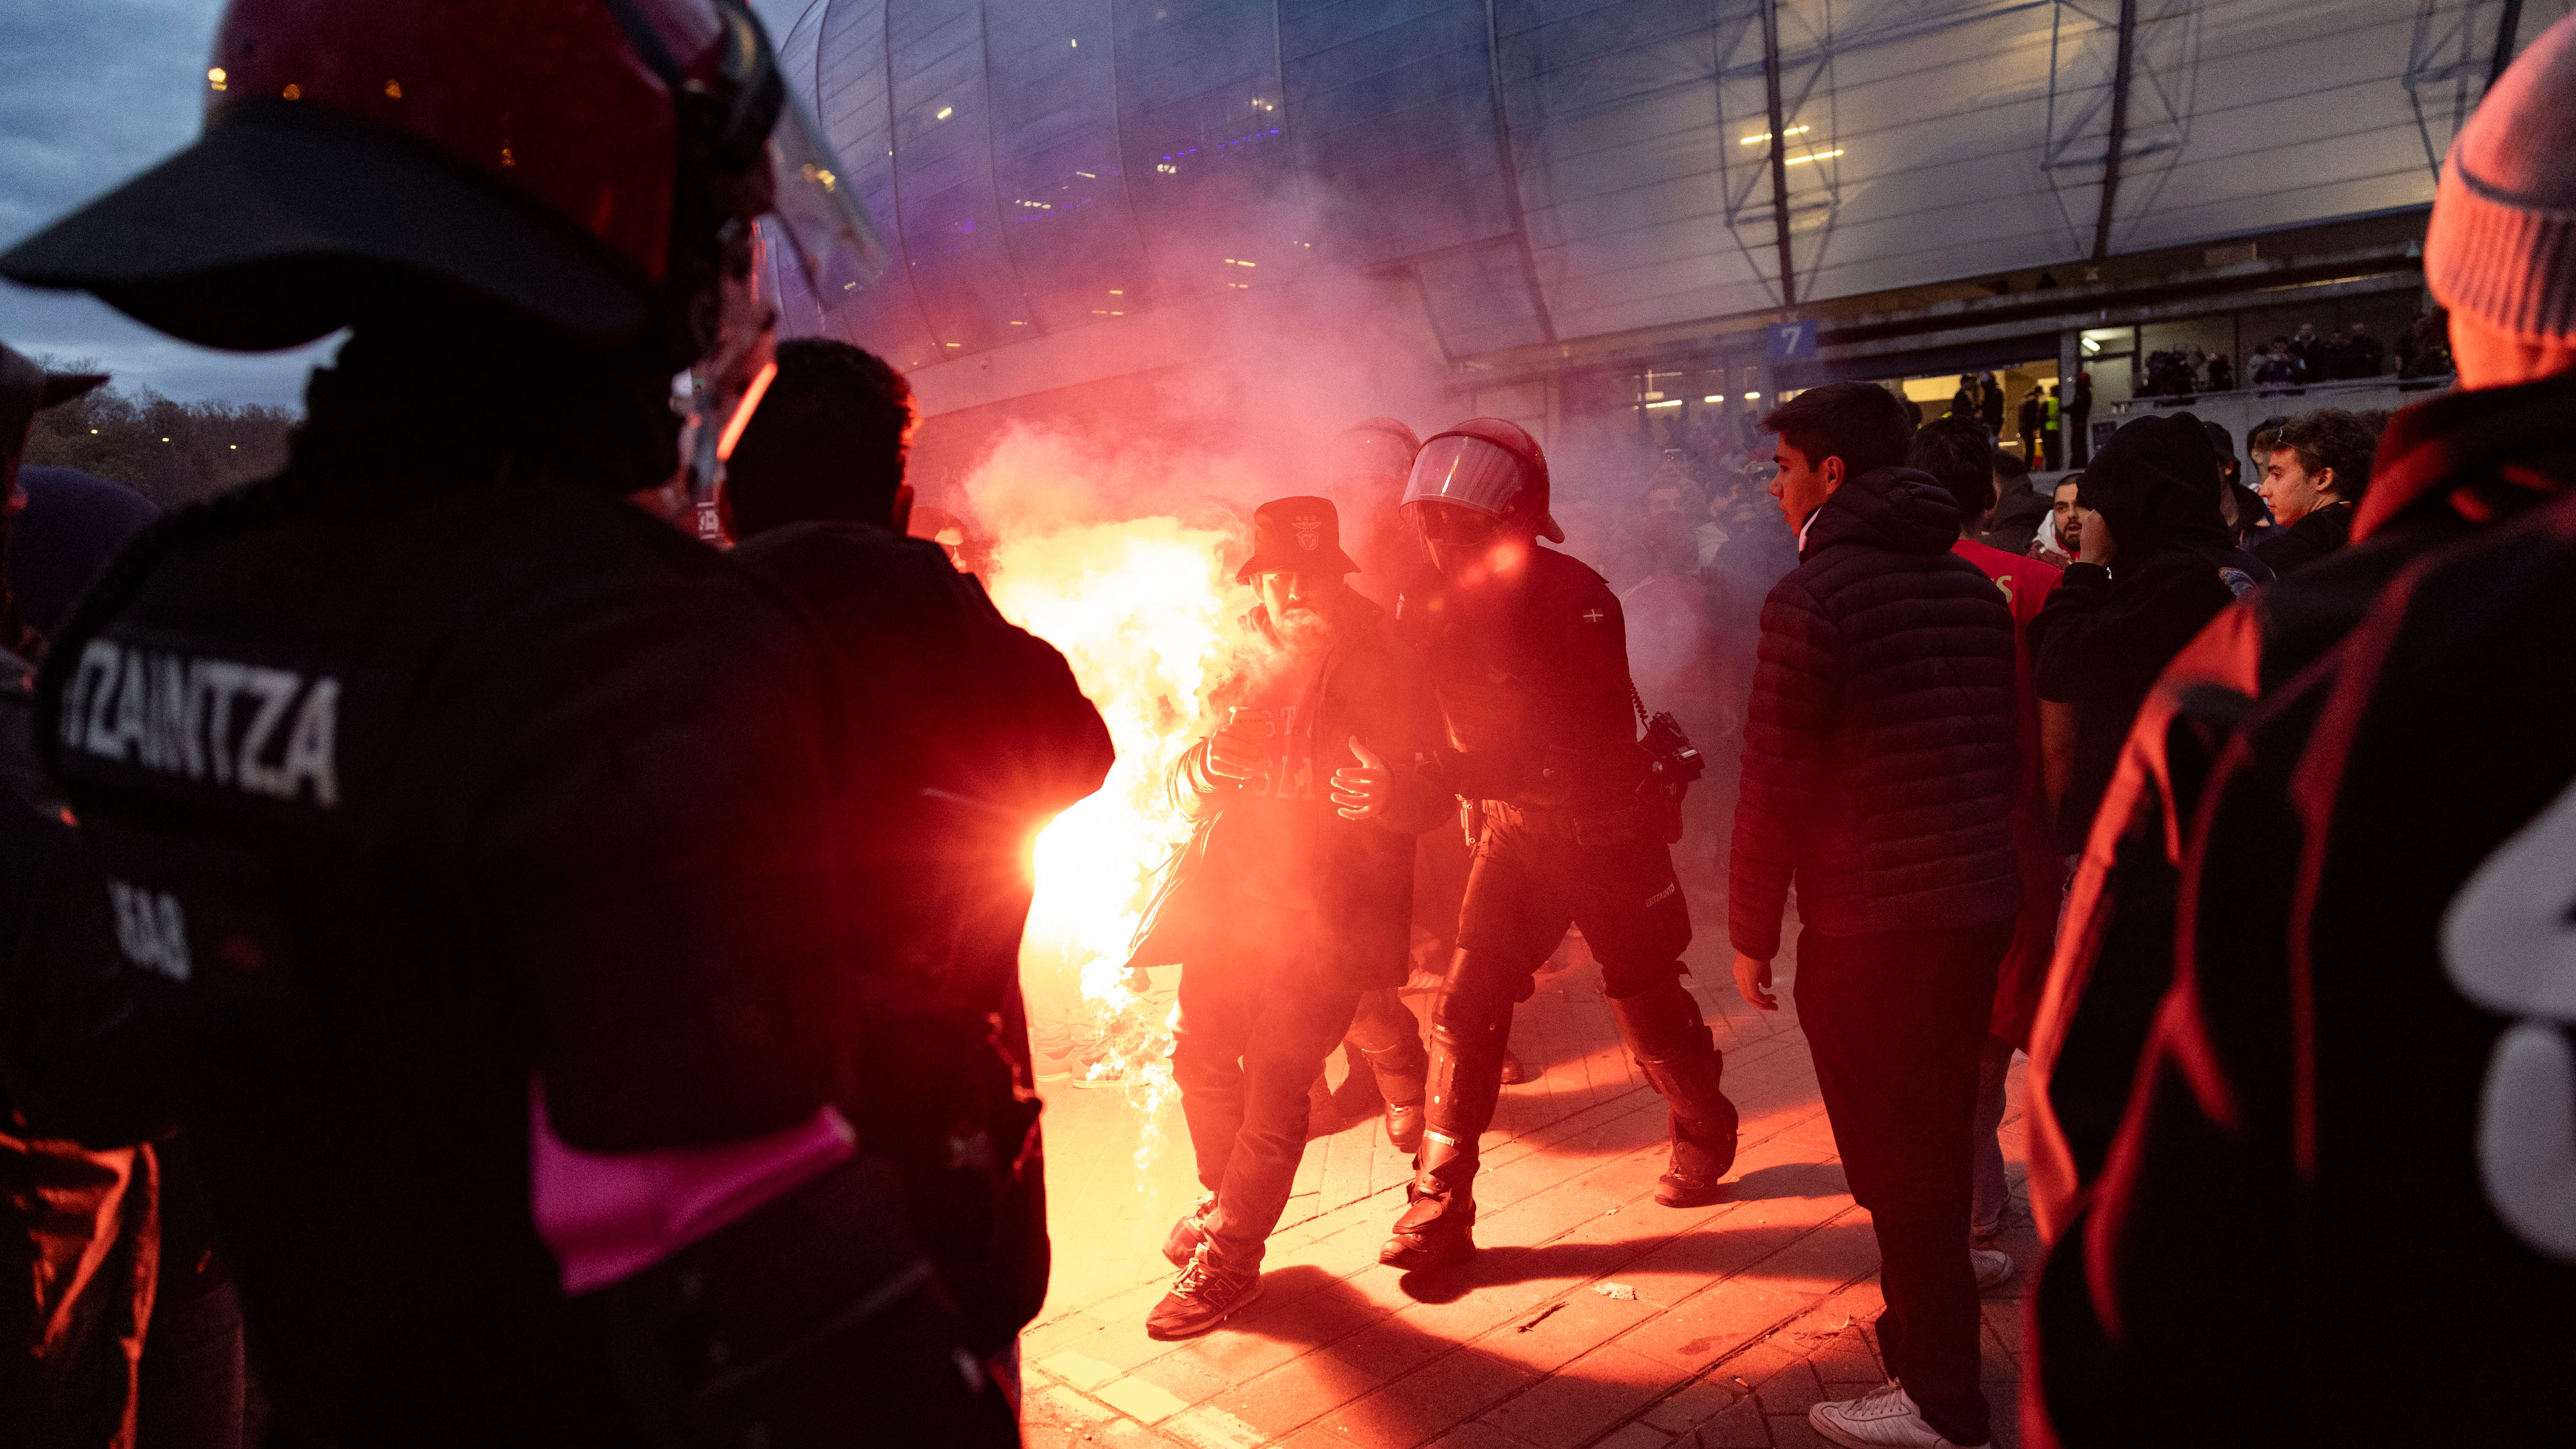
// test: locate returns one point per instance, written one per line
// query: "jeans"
(1253, 1033)
(1993, 1188)
(1895, 1022)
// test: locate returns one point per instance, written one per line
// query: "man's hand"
(1363, 793)
(2099, 546)
(1753, 982)
(1239, 756)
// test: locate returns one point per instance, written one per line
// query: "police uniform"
(416, 782)
(1532, 680)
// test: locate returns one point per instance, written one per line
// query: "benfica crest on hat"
(1296, 535)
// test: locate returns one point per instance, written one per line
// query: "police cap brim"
(285, 222)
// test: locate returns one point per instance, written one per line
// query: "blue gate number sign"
(1789, 341)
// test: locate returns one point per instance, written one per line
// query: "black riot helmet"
(1487, 466)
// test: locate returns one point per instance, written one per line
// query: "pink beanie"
(2502, 245)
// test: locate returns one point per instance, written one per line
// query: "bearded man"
(1293, 896)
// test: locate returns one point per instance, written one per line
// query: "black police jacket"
(426, 768)
(1532, 681)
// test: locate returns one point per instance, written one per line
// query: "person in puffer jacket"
(1880, 770)
(2159, 562)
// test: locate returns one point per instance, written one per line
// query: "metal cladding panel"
(1479, 299)
(834, 57)
(1205, 144)
(1640, 207)
(1927, 150)
(2268, 114)
(1063, 186)
(943, 131)
(1391, 106)
(1101, 157)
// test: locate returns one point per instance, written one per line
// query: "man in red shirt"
(1961, 459)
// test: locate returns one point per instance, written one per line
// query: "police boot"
(1465, 1082)
(1674, 1048)
(1437, 1229)
(1402, 1073)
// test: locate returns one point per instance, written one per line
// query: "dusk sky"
(92, 91)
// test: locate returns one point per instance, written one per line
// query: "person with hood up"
(1293, 896)
(2157, 564)
(2359, 881)
(1880, 776)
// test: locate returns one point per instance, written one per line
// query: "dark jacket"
(496, 776)
(84, 1077)
(2016, 519)
(2322, 532)
(1879, 758)
(966, 735)
(1532, 683)
(72, 525)
(2107, 633)
(2375, 913)
(2463, 456)
(1361, 881)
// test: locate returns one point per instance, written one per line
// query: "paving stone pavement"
(1592, 1316)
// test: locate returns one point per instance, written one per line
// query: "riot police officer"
(476, 822)
(1528, 655)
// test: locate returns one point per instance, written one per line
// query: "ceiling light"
(944, 113)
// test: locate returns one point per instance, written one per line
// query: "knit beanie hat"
(2502, 244)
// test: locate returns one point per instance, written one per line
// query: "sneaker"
(1207, 1293)
(1099, 1072)
(1880, 1419)
(1994, 1268)
(1182, 1243)
(1053, 1066)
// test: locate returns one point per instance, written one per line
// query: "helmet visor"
(1469, 472)
(1367, 453)
(836, 250)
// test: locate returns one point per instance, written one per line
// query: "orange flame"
(1140, 607)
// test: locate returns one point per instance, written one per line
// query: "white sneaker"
(1994, 1268)
(1880, 1419)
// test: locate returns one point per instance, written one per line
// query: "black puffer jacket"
(1879, 759)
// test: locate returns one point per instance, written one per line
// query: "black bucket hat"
(1296, 535)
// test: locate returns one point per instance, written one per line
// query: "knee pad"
(1635, 978)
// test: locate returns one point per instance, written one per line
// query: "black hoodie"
(2108, 632)
(1880, 754)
